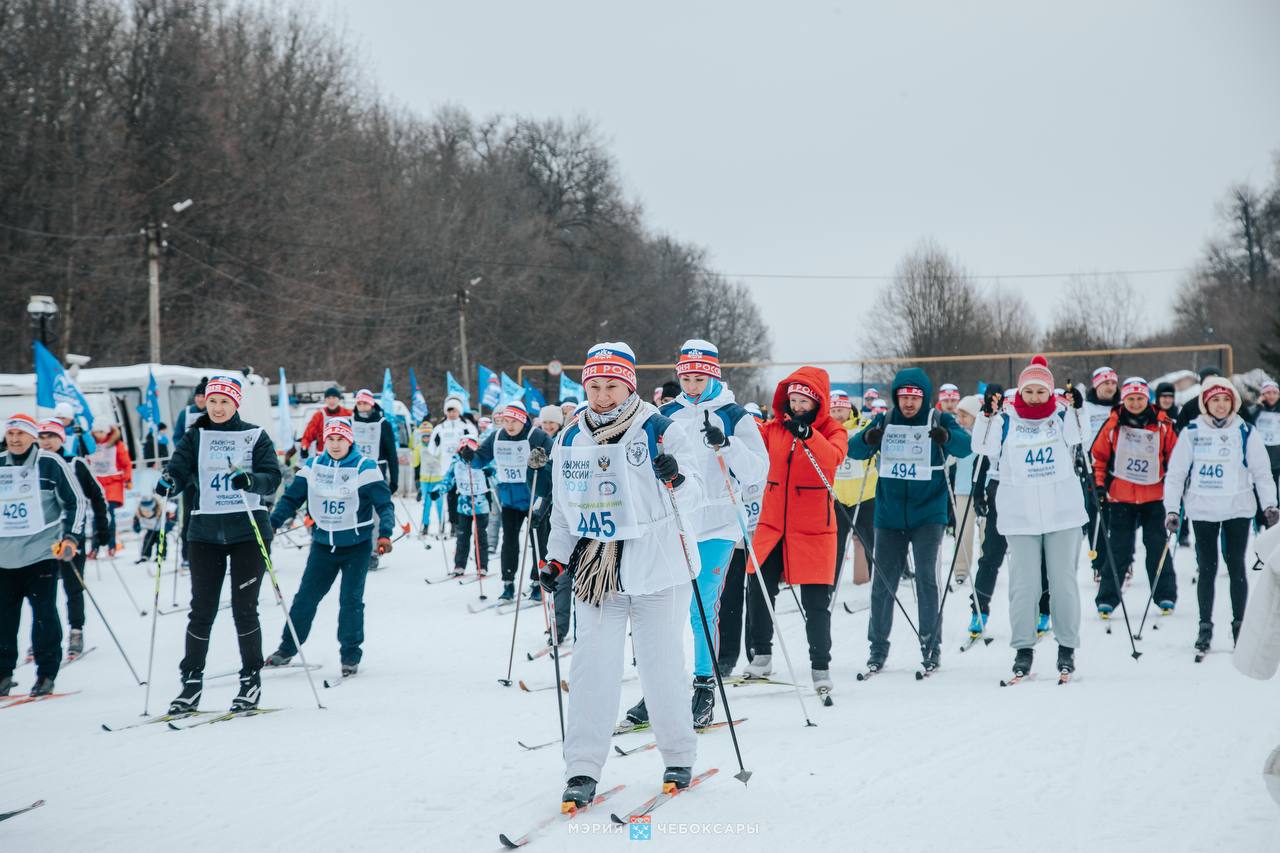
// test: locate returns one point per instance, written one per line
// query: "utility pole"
(153, 301)
(463, 297)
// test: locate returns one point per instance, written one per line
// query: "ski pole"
(103, 617)
(475, 534)
(870, 555)
(555, 653)
(743, 773)
(127, 591)
(275, 585)
(862, 494)
(155, 614)
(524, 552)
(1106, 537)
(739, 512)
(1156, 582)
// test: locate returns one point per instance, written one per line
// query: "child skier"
(472, 487)
(147, 519)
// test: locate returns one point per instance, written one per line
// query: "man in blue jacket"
(343, 490)
(508, 449)
(913, 441)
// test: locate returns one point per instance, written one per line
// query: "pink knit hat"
(1036, 373)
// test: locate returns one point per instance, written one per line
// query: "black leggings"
(208, 568)
(1235, 536)
(814, 598)
(866, 531)
(75, 592)
(512, 521)
(732, 598)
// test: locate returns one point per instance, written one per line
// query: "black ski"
(6, 815)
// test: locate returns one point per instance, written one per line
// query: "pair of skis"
(1064, 677)
(27, 700)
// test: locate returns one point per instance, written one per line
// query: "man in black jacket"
(376, 440)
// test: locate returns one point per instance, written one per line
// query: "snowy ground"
(420, 753)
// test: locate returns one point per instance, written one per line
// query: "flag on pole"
(284, 426)
(570, 390)
(54, 386)
(149, 409)
(533, 398)
(453, 389)
(418, 410)
(511, 391)
(388, 401)
(490, 388)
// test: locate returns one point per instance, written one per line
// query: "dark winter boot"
(508, 592)
(278, 658)
(350, 669)
(676, 778)
(189, 699)
(43, 686)
(250, 692)
(535, 592)
(932, 658)
(1022, 661)
(1066, 659)
(6, 684)
(875, 663)
(1235, 632)
(1205, 637)
(704, 700)
(75, 642)
(639, 714)
(580, 791)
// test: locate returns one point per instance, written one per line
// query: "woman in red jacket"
(796, 537)
(112, 466)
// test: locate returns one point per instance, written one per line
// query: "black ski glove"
(467, 454)
(799, 429)
(940, 435)
(872, 436)
(164, 486)
(549, 572)
(667, 469)
(1077, 399)
(714, 436)
(980, 508)
(242, 480)
(1082, 470)
(1172, 522)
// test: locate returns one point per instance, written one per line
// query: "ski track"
(420, 753)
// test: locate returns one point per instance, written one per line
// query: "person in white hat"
(550, 420)
(617, 472)
(445, 440)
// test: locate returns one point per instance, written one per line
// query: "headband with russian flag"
(25, 423)
(611, 360)
(910, 391)
(517, 412)
(699, 356)
(840, 398)
(1135, 385)
(1104, 374)
(226, 386)
(948, 392)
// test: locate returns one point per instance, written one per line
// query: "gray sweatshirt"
(30, 523)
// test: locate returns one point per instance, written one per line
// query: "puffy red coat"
(115, 485)
(797, 507)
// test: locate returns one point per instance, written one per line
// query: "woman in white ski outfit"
(1217, 467)
(1039, 507)
(612, 523)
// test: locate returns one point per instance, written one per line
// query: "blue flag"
(570, 390)
(490, 388)
(418, 409)
(388, 401)
(149, 409)
(453, 389)
(284, 427)
(533, 399)
(54, 386)
(511, 390)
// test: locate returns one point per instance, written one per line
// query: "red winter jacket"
(797, 507)
(1104, 448)
(314, 433)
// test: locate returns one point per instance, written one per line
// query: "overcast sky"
(828, 138)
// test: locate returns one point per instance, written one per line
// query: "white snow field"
(419, 752)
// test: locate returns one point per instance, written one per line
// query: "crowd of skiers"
(693, 510)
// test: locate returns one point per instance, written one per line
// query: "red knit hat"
(803, 389)
(1036, 373)
(25, 423)
(340, 427)
(227, 386)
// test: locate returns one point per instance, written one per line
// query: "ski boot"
(250, 693)
(1104, 612)
(43, 686)
(760, 666)
(704, 700)
(508, 592)
(75, 643)
(1166, 608)
(6, 684)
(932, 659)
(535, 592)
(875, 663)
(373, 562)
(459, 571)
(822, 684)
(1235, 632)
(1022, 662)
(978, 624)
(1042, 625)
(349, 669)
(639, 714)
(579, 792)
(277, 658)
(1066, 660)
(1205, 637)
(676, 779)
(189, 699)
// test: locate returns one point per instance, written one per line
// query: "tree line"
(330, 233)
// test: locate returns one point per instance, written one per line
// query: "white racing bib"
(368, 438)
(1268, 426)
(752, 501)
(220, 454)
(21, 509)
(850, 469)
(511, 459)
(1216, 458)
(1097, 417)
(904, 453)
(102, 462)
(470, 483)
(597, 490)
(1138, 456)
(1037, 453)
(333, 497)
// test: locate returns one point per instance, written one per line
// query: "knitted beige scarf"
(596, 563)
